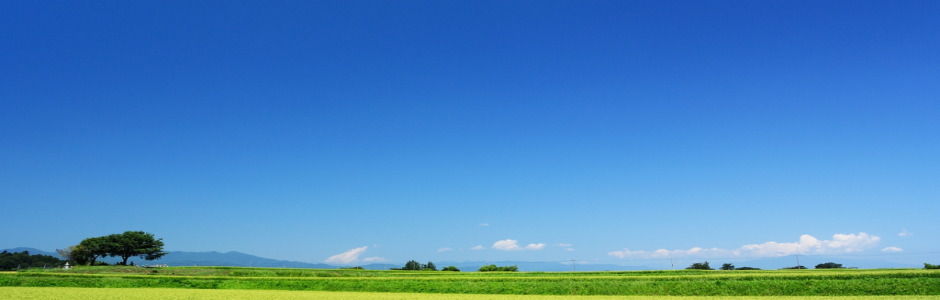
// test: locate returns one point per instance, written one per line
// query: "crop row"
(21, 293)
(350, 273)
(902, 282)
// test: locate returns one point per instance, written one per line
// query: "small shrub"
(929, 266)
(451, 268)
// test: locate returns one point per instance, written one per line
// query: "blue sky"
(383, 131)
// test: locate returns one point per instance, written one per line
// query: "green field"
(25, 293)
(242, 283)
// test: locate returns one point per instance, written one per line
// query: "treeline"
(413, 265)
(494, 268)
(828, 265)
(22, 260)
(727, 266)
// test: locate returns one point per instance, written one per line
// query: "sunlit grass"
(32, 293)
(639, 283)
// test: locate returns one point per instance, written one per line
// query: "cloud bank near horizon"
(513, 245)
(352, 256)
(807, 244)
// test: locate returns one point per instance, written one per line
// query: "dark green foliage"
(124, 245)
(494, 268)
(929, 266)
(700, 266)
(22, 260)
(829, 265)
(89, 250)
(795, 268)
(451, 268)
(728, 267)
(413, 265)
(135, 243)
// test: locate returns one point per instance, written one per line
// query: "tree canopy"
(451, 268)
(829, 265)
(416, 266)
(135, 243)
(700, 266)
(494, 268)
(124, 245)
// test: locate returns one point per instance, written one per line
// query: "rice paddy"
(272, 283)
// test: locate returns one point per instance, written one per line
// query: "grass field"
(421, 284)
(27, 293)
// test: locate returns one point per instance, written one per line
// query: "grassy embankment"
(646, 283)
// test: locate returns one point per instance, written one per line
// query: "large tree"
(77, 255)
(90, 249)
(134, 243)
(412, 265)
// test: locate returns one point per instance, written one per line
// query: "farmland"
(222, 281)
(165, 293)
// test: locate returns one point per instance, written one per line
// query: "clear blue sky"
(384, 131)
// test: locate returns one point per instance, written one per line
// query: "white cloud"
(851, 242)
(478, 247)
(891, 249)
(347, 257)
(484, 224)
(807, 244)
(905, 233)
(627, 253)
(661, 253)
(374, 259)
(840, 243)
(506, 245)
(445, 249)
(538, 246)
(512, 245)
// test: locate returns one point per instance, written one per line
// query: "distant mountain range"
(212, 258)
(238, 259)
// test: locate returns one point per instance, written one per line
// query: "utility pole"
(573, 268)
